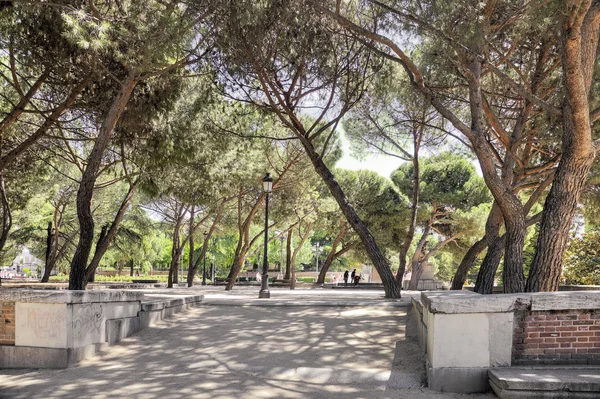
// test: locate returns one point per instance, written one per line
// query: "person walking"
(346, 275)
(352, 276)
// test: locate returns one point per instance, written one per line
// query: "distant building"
(24, 260)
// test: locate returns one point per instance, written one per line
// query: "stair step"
(545, 382)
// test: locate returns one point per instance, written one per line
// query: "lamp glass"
(267, 183)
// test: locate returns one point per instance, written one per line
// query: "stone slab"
(42, 324)
(565, 300)
(510, 394)
(586, 379)
(66, 296)
(472, 302)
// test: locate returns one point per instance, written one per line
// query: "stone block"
(42, 324)
(458, 379)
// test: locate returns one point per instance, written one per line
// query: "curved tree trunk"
(467, 262)
(6, 214)
(106, 236)
(417, 135)
(392, 290)
(86, 187)
(330, 257)
(303, 238)
(489, 266)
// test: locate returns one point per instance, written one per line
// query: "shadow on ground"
(247, 352)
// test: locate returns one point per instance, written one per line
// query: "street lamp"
(204, 267)
(264, 287)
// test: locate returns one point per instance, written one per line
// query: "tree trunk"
(288, 256)
(579, 45)
(120, 267)
(131, 267)
(512, 273)
(49, 246)
(415, 208)
(6, 214)
(487, 271)
(303, 238)
(489, 266)
(108, 234)
(86, 186)
(194, 267)
(191, 248)
(392, 290)
(460, 276)
(175, 251)
(330, 257)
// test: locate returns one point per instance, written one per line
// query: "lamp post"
(205, 252)
(264, 287)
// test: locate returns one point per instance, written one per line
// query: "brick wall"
(557, 337)
(7, 323)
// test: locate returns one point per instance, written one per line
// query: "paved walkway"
(230, 348)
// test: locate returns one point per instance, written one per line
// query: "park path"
(240, 350)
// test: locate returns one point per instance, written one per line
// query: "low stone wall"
(464, 333)
(57, 329)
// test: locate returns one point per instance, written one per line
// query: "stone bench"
(57, 329)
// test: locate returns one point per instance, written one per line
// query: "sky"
(382, 164)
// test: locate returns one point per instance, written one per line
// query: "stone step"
(546, 382)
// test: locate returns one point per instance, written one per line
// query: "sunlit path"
(220, 351)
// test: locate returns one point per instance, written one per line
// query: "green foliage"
(582, 263)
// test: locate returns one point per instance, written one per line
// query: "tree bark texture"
(86, 187)
(108, 234)
(467, 262)
(579, 44)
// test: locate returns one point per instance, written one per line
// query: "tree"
(579, 34)
(467, 49)
(289, 71)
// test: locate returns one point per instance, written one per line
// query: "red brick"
(566, 328)
(535, 345)
(549, 340)
(533, 335)
(533, 340)
(544, 346)
(532, 329)
(582, 350)
(564, 339)
(594, 350)
(584, 316)
(549, 334)
(566, 334)
(583, 334)
(563, 350)
(549, 351)
(582, 339)
(581, 345)
(594, 339)
(583, 323)
(566, 323)
(567, 317)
